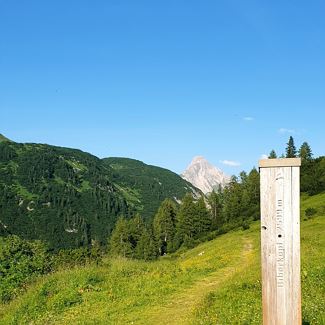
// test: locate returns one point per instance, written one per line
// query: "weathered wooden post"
(280, 239)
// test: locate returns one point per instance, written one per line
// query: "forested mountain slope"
(147, 186)
(69, 198)
(62, 196)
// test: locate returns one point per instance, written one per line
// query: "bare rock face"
(204, 175)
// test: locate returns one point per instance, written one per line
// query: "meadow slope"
(217, 282)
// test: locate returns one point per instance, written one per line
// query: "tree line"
(312, 169)
(193, 221)
(305, 152)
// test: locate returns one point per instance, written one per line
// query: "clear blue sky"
(162, 81)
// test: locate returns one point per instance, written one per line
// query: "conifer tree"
(202, 218)
(164, 226)
(272, 154)
(253, 183)
(245, 202)
(136, 225)
(253, 186)
(186, 224)
(120, 241)
(215, 202)
(146, 248)
(305, 152)
(233, 196)
(291, 151)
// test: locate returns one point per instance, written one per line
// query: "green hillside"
(217, 282)
(69, 198)
(62, 196)
(146, 186)
(3, 138)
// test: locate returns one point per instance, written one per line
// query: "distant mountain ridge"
(4, 139)
(203, 175)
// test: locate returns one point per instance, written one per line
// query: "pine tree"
(215, 202)
(305, 152)
(253, 183)
(245, 202)
(233, 197)
(291, 151)
(164, 226)
(253, 187)
(186, 224)
(243, 177)
(202, 217)
(146, 248)
(272, 154)
(136, 225)
(120, 241)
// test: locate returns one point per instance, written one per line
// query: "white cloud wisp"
(230, 163)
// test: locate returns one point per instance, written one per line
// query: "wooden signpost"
(280, 239)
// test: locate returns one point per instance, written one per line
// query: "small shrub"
(305, 322)
(189, 242)
(256, 216)
(66, 258)
(94, 279)
(91, 283)
(309, 212)
(209, 236)
(49, 289)
(245, 225)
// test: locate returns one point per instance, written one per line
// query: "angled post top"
(282, 162)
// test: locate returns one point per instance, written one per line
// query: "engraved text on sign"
(279, 218)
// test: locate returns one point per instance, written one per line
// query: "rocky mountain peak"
(204, 175)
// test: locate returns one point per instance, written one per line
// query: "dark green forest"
(62, 196)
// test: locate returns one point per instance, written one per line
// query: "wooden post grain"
(280, 239)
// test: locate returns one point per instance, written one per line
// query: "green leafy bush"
(20, 261)
(309, 212)
(67, 258)
(245, 225)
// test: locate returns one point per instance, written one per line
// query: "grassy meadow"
(217, 282)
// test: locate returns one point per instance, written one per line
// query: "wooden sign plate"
(280, 240)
